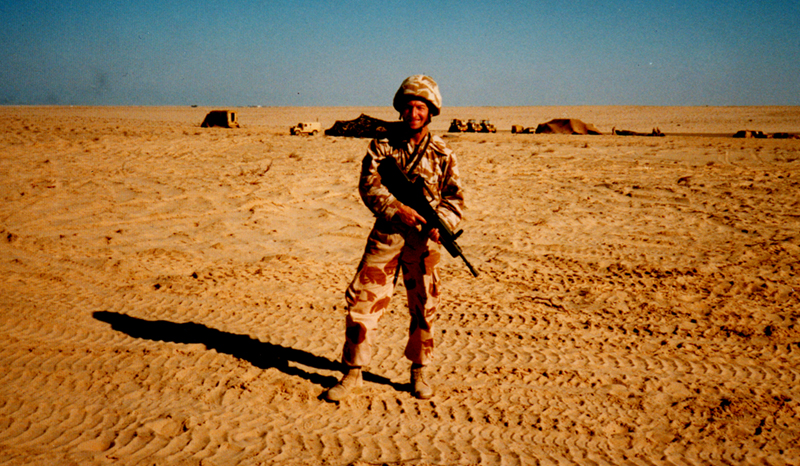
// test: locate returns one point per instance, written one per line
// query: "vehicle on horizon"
(519, 129)
(473, 126)
(311, 128)
(487, 127)
(457, 126)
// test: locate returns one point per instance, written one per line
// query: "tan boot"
(419, 387)
(350, 383)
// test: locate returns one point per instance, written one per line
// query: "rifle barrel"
(469, 266)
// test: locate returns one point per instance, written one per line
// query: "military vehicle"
(457, 126)
(519, 129)
(473, 126)
(487, 127)
(221, 118)
(306, 128)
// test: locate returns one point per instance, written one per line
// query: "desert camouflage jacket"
(437, 167)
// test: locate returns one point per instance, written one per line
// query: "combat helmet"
(422, 87)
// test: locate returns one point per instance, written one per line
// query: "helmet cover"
(421, 87)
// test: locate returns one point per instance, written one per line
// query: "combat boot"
(419, 387)
(351, 382)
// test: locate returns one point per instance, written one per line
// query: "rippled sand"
(174, 295)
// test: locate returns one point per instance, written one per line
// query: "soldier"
(398, 239)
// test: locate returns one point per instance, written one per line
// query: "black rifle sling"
(418, 154)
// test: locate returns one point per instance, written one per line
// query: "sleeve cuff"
(391, 209)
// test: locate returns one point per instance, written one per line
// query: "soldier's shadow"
(260, 354)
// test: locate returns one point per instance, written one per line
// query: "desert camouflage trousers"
(371, 290)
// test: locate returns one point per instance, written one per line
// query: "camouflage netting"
(566, 126)
(362, 127)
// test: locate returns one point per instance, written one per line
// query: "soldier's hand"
(409, 216)
(434, 235)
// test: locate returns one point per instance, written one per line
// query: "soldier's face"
(416, 114)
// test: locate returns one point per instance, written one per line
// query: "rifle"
(412, 194)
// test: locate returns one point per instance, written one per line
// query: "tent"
(362, 127)
(566, 126)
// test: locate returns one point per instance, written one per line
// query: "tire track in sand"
(587, 339)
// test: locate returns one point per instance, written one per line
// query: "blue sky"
(356, 53)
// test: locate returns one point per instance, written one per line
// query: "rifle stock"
(412, 194)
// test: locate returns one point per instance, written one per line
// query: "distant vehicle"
(519, 129)
(473, 126)
(311, 128)
(221, 118)
(457, 126)
(487, 127)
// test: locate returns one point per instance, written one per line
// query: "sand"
(172, 295)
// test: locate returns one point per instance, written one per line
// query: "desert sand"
(173, 295)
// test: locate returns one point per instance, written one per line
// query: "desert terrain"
(173, 295)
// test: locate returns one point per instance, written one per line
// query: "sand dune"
(173, 295)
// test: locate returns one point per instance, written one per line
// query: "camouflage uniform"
(392, 244)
